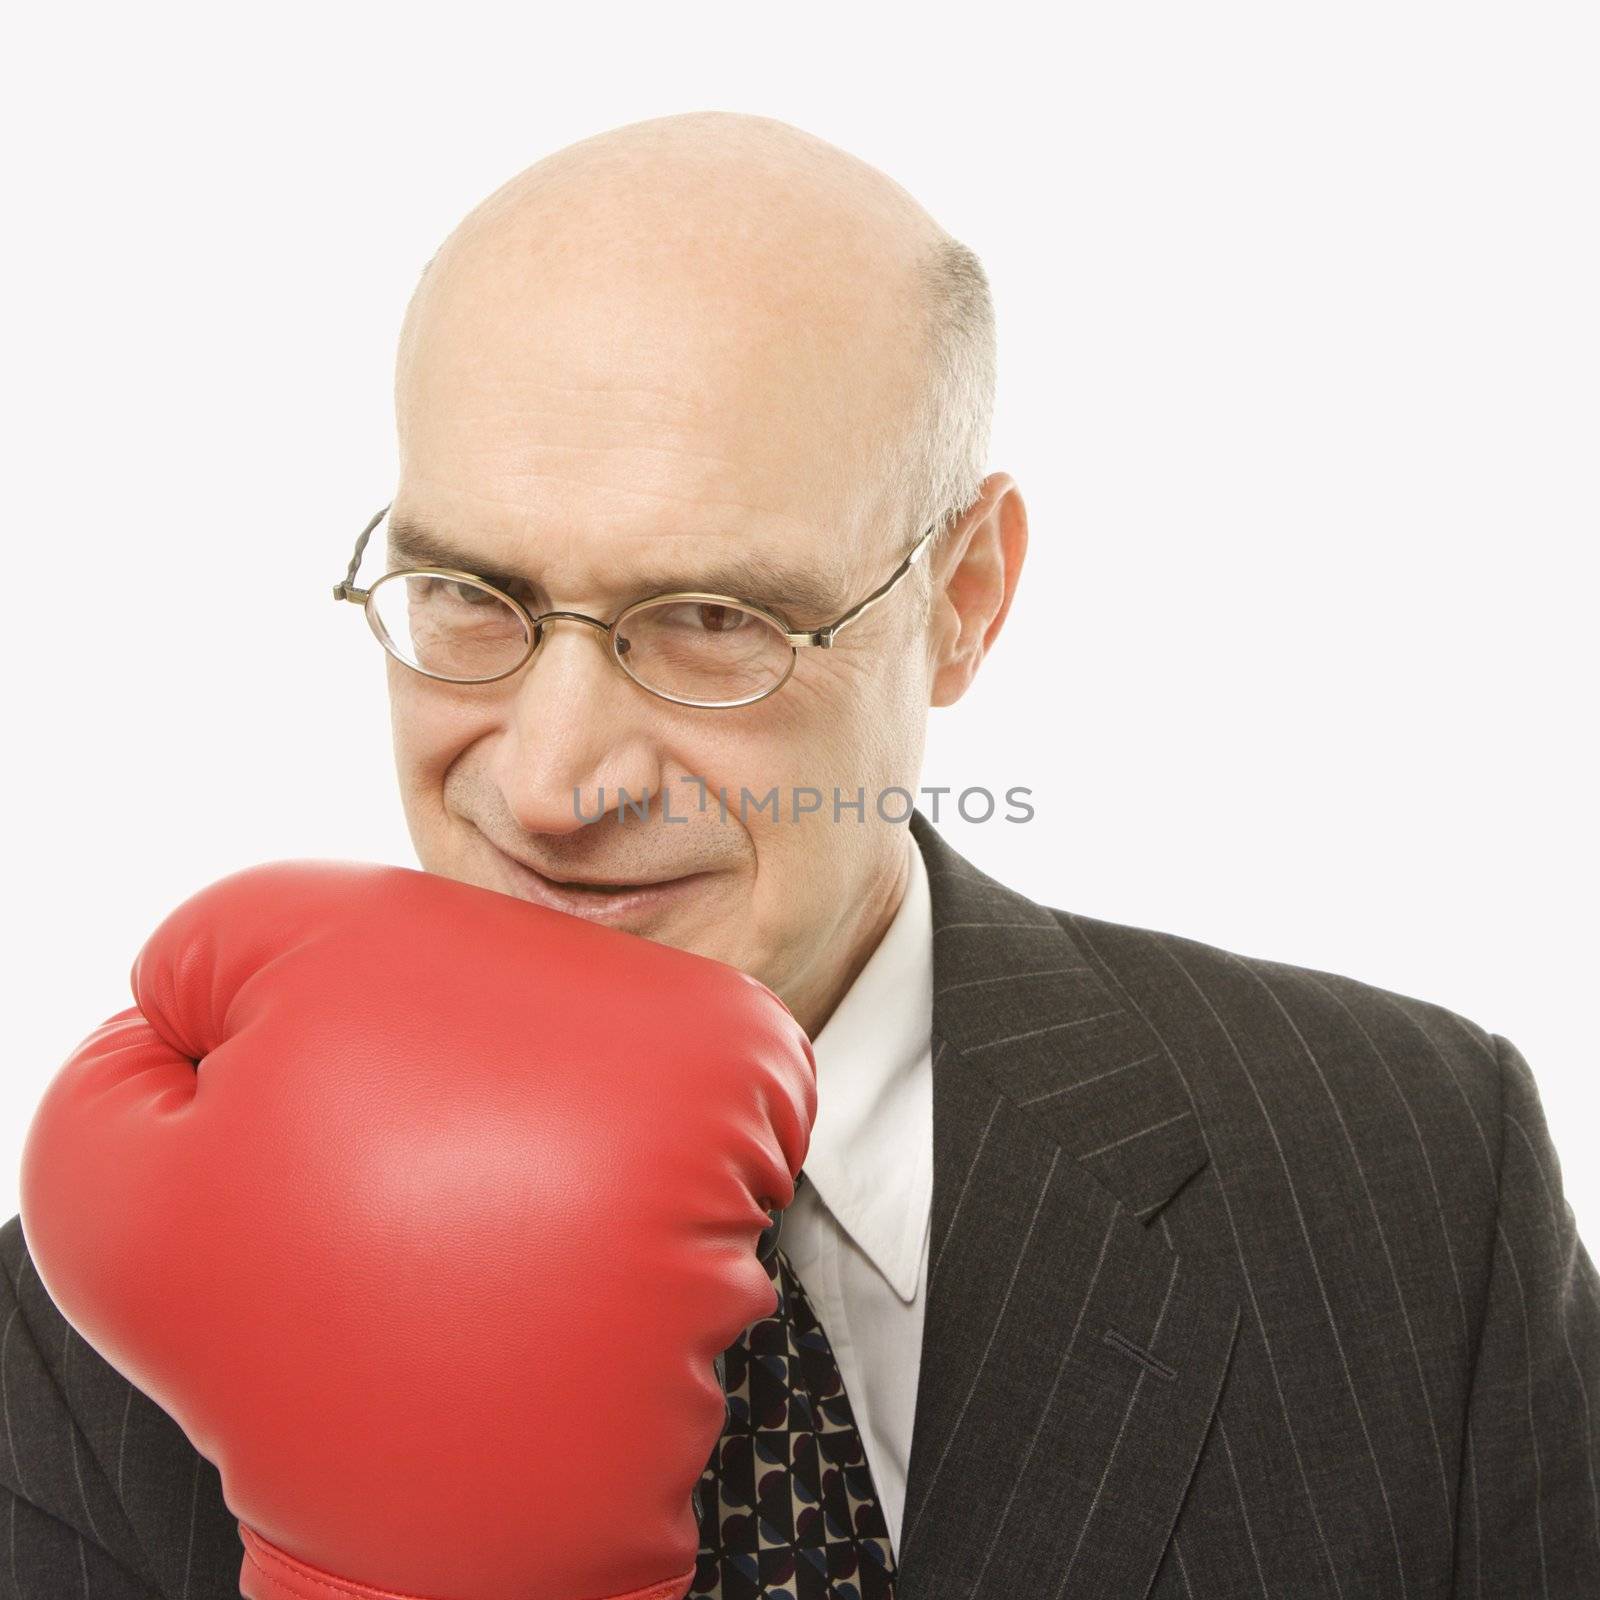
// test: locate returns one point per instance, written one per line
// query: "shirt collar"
(871, 1157)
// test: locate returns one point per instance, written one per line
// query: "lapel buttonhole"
(1120, 1341)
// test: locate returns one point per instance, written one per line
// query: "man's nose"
(578, 732)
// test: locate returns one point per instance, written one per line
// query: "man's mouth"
(595, 897)
(596, 887)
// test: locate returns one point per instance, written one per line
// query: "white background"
(1298, 356)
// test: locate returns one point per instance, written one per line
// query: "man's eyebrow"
(740, 576)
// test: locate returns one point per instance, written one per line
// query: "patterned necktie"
(786, 1505)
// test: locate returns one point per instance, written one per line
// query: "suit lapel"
(1071, 1362)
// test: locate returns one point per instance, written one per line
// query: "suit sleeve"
(1529, 1520)
(61, 1530)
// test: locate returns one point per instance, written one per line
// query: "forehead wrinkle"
(610, 401)
(704, 514)
(720, 457)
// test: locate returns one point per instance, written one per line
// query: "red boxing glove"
(425, 1212)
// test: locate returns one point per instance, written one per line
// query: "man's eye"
(696, 616)
(468, 594)
(723, 619)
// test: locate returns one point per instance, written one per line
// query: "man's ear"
(975, 575)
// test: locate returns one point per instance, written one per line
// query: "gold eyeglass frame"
(821, 637)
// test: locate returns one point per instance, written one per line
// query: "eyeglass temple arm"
(824, 636)
(346, 589)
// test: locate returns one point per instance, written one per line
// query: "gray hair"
(935, 467)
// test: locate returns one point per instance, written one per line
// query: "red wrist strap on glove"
(269, 1574)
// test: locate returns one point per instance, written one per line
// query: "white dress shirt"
(857, 1232)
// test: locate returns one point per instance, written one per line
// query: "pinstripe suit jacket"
(1244, 1280)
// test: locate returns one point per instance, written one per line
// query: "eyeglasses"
(694, 649)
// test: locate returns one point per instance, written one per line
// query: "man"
(1126, 1266)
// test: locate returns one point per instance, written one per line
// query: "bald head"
(709, 304)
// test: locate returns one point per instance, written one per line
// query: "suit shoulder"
(38, 1319)
(1246, 1020)
(14, 1257)
(99, 1459)
(1355, 1133)
(11, 1242)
